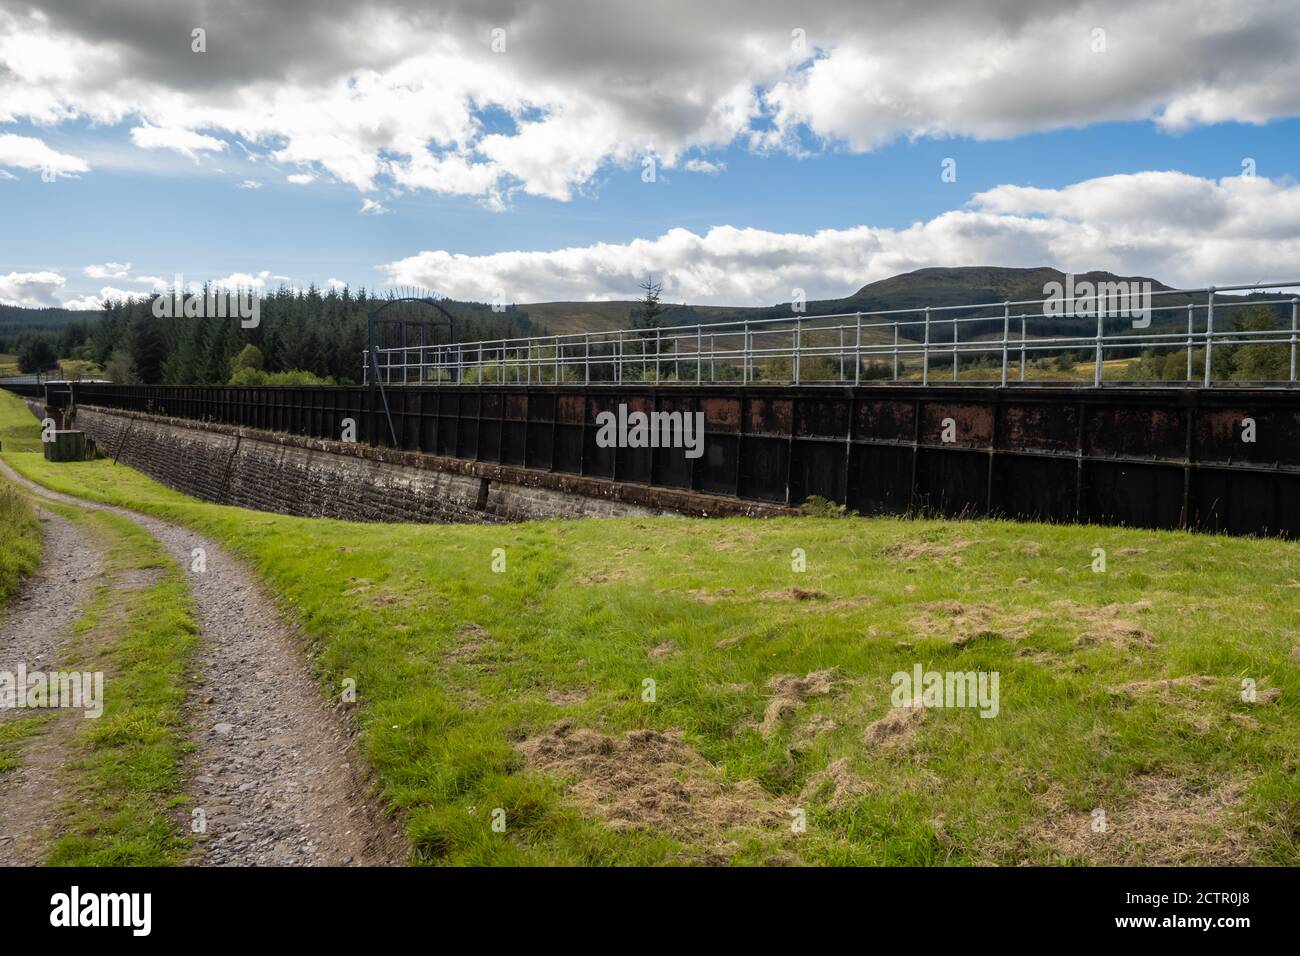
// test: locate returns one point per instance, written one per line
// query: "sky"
(739, 150)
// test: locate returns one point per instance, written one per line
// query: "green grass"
(12, 735)
(569, 626)
(20, 541)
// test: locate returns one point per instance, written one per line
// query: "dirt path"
(275, 770)
(35, 632)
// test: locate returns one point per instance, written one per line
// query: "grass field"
(520, 695)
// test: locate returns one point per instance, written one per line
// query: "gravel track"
(35, 632)
(275, 773)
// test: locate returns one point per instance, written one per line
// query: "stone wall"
(293, 475)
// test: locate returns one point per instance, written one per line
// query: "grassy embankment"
(124, 775)
(1119, 691)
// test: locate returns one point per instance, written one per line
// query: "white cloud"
(393, 93)
(184, 141)
(93, 302)
(333, 283)
(1177, 228)
(371, 208)
(28, 152)
(31, 289)
(108, 270)
(703, 166)
(250, 184)
(5, 174)
(301, 179)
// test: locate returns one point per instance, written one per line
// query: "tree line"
(315, 335)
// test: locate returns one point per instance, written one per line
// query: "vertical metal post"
(1293, 336)
(798, 341)
(372, 381)
(857, 349)
(1209, 338)
(1101, 328)
(1022, 350)
(586, 359)
(954, 350)
(618, 359)
(699, 358)
(1006, 341)
(841, 378)
(895, 351)
(658, 347)
(713, 351)
(925, 351)
(1190, 321)
(744, 354)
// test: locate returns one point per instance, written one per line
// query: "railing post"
(586, 359)
(1006, 342)
(798, 341)
(744, 354)
(1191, 319)
(925, 351)
(1101, 330)
(1293, 336)
(658, 347)
(841, 378)
(954, 349)
(699, 357)
(857, 349)
(895, 351)
(618, 359)
(1209, 337)
(1022, 350)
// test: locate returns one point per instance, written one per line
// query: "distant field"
(525, 690)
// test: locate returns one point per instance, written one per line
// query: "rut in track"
(275, 772)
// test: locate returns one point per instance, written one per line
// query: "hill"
(933, 287)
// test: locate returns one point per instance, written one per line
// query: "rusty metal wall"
(1157, 458)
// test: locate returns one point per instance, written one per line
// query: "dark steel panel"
(973, 423)
(1141, 495)
(880, 479)
(764, 468)
(885, 419)
(1135, 431)
(767, 416)
(716, 470)
(952, 483)
(1038, 426)
(1244, 503)
(1035, 487)
(818, 469)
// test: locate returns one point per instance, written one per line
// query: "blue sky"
(806, 160)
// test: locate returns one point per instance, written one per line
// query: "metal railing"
(904, 346)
